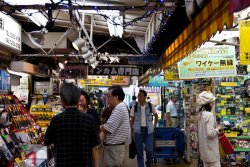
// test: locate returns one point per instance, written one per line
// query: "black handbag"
(132, 149)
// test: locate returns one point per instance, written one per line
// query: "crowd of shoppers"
(77, 132)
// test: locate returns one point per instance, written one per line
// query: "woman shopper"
(83, 106)
(208, 131)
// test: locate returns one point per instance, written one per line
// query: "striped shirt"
(118, 125)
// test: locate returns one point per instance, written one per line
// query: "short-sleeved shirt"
(143, 118)
(118, 125)
(171, 109)
(73, 134)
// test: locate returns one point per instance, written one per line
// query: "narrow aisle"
(161, 162)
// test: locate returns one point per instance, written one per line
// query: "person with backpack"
(143, 128)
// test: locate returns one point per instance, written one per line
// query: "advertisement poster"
(120, 80)
(244, 42)
(171, 74)
(207, 62)
(96, 82)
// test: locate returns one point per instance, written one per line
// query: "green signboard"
(207, 62)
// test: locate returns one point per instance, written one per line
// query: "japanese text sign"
(116, 70)
(244, 42)
(216, 61)
(96, 82)
(74, 72)
(10, 33)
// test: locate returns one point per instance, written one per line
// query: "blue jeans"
(147, 139)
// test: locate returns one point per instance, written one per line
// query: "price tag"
(229, 84)
(247, 110)
(23, 156)
(223, 111)
(18, 161)
(245, 130)
(231, 134)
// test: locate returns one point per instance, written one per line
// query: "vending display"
(18, 131)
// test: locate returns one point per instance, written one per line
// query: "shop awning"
(211, 19)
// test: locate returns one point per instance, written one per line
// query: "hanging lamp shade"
(78, 43)
(94, 65)
(92, 60)
(84, 49)
(87, 55)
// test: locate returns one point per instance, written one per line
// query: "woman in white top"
(208, 131)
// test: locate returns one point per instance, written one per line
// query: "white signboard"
(10, 33)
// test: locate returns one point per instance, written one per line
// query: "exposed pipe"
(131, 46)
(105, 43)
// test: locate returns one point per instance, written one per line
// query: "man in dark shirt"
(73, 134)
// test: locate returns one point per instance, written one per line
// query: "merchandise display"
(232, 110)
(44, 108)
(190, 90)
(19, 131)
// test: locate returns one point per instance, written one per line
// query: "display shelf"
(240, 137)
(241, 149)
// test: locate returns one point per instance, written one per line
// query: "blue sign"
(157, 80)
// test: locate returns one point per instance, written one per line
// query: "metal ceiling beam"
(4, 7)
(76, 55)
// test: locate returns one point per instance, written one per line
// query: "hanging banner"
(96, 82)
(120, 80)
(171, 74)
(121, 70)
(216, 61)
(244, 42)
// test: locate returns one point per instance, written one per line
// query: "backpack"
(149, 104)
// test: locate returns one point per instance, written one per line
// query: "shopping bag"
(222, 153)
(225, 144)
(51, 159)
(132, 149)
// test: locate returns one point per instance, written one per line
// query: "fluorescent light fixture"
(29, 2)
(78, 43)
(113, 13)
(115, 30)
(17, 73)
(36, 16)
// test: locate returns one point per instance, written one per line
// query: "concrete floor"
(160, 162)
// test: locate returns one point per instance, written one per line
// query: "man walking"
(171, 113)
(73, 134)
(116, 129)
(142, 122)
